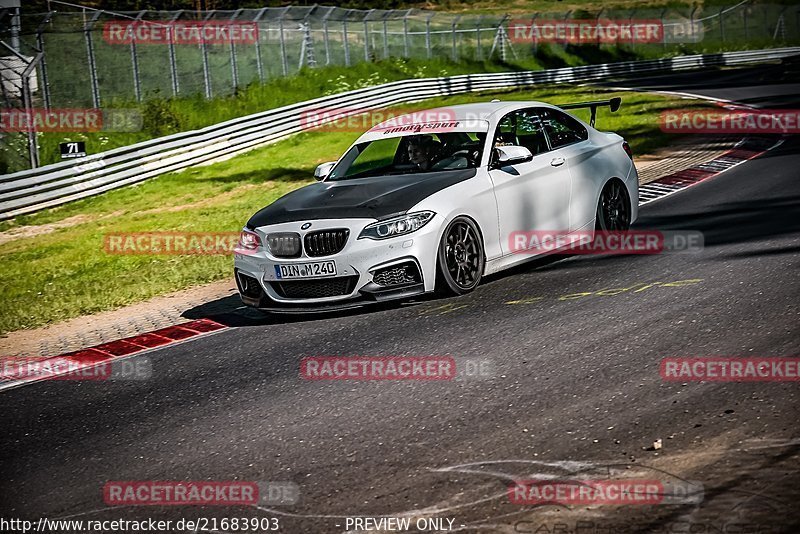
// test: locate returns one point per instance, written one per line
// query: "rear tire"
(460, 259)
(613, 208)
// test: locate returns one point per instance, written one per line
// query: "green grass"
(66, 273)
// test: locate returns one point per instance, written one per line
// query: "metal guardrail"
(53, 185)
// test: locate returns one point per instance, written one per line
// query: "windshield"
(411, 154)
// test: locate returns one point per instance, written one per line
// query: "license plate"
(305, 270)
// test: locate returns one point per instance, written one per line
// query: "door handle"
(555, 162)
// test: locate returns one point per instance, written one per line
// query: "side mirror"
(323, 170)
(511, 155)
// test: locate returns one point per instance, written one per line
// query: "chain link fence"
(78, 57)
(99, 58)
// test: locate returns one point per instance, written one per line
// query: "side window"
(523, 128)
(530, 133)
(562, 129)
(506, 130)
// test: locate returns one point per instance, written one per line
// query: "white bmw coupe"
(417, 205)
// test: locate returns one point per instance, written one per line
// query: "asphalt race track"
(572, 388)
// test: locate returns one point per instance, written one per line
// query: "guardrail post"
(173, 65)
(344, 38)
(284, 60)
(663, 36)
(137, 84)
(721, 26)
(40, 45)
(534, 32)
(455, 43)
(366, 35)
(234, 69)
(87, 33)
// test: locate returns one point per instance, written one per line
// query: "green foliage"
(160, 118)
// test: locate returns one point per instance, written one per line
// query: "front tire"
(613, 208)
(460, 259)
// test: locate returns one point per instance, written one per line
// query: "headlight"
(397, 226)
(248, 241)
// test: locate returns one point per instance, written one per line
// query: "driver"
(421, 151)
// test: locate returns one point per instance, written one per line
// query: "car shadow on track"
(232, 313)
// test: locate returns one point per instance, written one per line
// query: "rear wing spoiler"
(613, 104)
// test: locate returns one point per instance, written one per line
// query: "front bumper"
(355, 283)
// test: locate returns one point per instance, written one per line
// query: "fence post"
(40, 44)
(173, 65)
(478, 51)
(27, 102)
(744, 22)
(386, 34)
(344, 38)
(366, 35)
(691, 19)
(766, 21)
(597, 24)
(325, 36)
(780, 25)
(137, 84)
(455, 43)
(630, 25)
(405, 33)
(87, 33)
(284, 61)
(259, 65)
(428, 35)
(204, 49)
(534, 33)
(721, 26)
(234, 69)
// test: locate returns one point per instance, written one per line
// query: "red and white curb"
(678, 181)
(75, 362)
